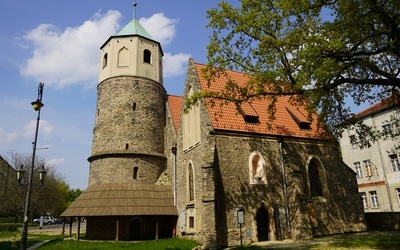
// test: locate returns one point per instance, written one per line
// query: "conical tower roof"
(134, 28)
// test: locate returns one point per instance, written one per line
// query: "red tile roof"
(227, 117)
(380, 106)
(175, 105)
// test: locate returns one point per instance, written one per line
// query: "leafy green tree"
(73, 194)
(326, 54)
(51, 198)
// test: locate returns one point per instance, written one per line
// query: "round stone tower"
(128, 135)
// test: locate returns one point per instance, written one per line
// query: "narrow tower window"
(126, 146)
(105, 57)
(147, 56)
(191, 182)
(135, 173)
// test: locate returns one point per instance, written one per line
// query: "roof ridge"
(231, 70)
(175, 95)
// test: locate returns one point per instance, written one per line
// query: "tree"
(326, 54)
(50, 198)
(73, 194)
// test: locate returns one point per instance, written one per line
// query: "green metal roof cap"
(134, 28)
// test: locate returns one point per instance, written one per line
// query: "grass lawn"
(360, 241)
(11, 240)
(371, 240)
(171, 244)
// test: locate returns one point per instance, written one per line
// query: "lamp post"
(240, 219)
(37, 105)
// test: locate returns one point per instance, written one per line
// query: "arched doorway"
(136, 229)
(262, 223)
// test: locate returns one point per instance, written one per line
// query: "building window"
(147, 56)
(135, 173)
(315, 179)
(105, 58)
(394, 162)
(364, 199)
(368, 168)
(357, 167)
(353, 141)
(257, 169)
(387, 131)
(191, 125)
(398, 194)
(191, 222)
(191, 183)
(374, 199)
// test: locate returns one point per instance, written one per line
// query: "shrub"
(8, 227)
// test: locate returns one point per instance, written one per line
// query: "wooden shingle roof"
(123, 200)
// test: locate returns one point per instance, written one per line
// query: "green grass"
(12, 240)
(372, 242)
(167, 244)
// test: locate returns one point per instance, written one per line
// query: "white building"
(377, 167)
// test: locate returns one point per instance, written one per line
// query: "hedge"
(8, 227)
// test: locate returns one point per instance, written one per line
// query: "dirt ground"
(57, 230)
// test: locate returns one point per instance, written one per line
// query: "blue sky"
(58, 43)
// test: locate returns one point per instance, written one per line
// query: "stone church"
(219, 174)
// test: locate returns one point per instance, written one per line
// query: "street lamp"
(21, 173)
(37, 105)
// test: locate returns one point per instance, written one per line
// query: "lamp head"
(42, 174)
(37, 105)
(20, 174)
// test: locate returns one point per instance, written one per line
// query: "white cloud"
(45, 129)
(55, 161)
(71, 56)
(7, 138)
(160, 27)
(174, 64)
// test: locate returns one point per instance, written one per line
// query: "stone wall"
(201, 157)
(128, 131)
(223, 185)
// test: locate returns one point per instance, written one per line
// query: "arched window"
(190, 182)
(257, 169)
(315, 177)
(147, 56)
(105, 58)
(135, 173)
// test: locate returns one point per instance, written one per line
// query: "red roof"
(289, 120)
(175, 105)
(380, 106)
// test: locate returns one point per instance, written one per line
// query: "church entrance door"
(262, 223)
